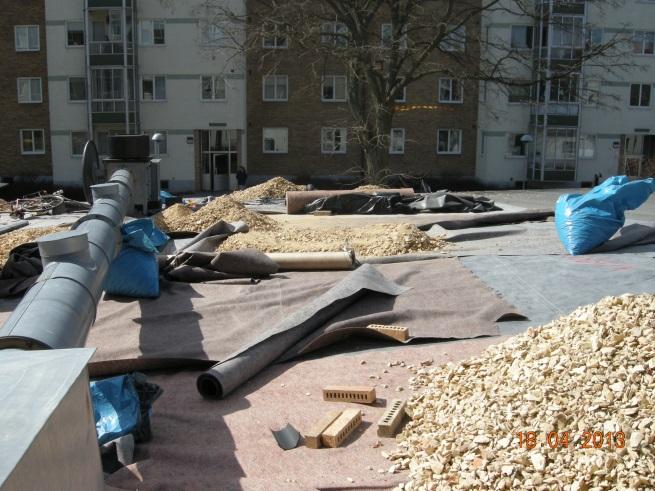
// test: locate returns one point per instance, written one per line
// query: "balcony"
(110, 53)
(559, 114)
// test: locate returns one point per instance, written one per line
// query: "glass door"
(219, 159)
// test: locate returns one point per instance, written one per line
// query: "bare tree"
(419, 38)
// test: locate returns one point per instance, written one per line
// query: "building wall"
(607, 121)
(16, 116)
(304, 114)
(182, 60)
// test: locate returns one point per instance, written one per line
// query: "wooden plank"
(313, 436)
(346, 393)
(342, 427)
(397, 332)
(392, 418)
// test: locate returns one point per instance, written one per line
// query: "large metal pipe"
(59, 309)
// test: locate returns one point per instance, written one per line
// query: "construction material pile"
(273, 188)
(584, 384)
(22, 236)
(180, 218)
(369, 240)
(367, 188)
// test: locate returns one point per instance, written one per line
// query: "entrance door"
(219, 159)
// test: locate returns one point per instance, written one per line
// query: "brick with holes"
(341, 428)
(392, 418)
(345, 393)
(313, 436)
(397, 332)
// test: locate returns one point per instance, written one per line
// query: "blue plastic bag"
(584, 222)
(115, 407)
(135, 272)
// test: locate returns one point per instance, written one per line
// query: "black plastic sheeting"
(394, 203)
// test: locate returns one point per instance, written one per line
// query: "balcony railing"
(108, 105)
(108, 48)
(557, 108)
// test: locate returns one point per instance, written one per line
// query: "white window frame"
(276, 83)
(334, 34)
(402, 43)
(73, 154)
(643, 34)
(391, 150)
(454, 45)
(214, 78)
(594, 146)
(511, 37)
(68, 90)
(205, 39)
(276, 37)
(154, 88)
(451, 82)
(33, 152)
(30, 79)
(38, 37)
(151, 22)
(450, 132)
(83, 34)
(275, 152)
(641, 88)
(334, 79)
(343, 138)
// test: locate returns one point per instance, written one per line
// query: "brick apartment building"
(24, 125)
(299, 122)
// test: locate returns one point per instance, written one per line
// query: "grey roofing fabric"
(546, 287)
(227, 375)
(203, 323)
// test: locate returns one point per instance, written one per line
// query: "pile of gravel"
(588, 376)
(273, 188)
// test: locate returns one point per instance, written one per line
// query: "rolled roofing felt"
(313, 261)
(224, 377)
(296, 200)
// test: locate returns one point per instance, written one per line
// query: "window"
(397, 142)
(275, 140)
(333, 140)
(334, 34)
(455, 40)
(643, 42)
(449, 142)
(276, 88)
(640, 95)
(107, 90)
(515, 147)
(451, 90)
(29, 90)
(565, 89)
(213, 88)
(153, 88)
(517, 94)
(32, 142)
(27, 38)
(78, 140)
(591, 91)
(163, 145)
(522, 37)
(594, 38)
(274, 37)
(568, 36)
(210, 34)
(587, 147)
(402, 96)
(75, 33)
(76, 89)
(333, 88)
(152, 32)
(387, 37)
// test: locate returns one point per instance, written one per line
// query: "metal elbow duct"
(59, 309)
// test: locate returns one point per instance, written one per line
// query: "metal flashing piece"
(61, 244)
(287, 438)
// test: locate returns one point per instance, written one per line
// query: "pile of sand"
(179, 218)
(369, 188)
(369, 240)
(22, 236)
(274, 188)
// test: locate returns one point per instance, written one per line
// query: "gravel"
(22, 236)
(591, 371)
(273, 188)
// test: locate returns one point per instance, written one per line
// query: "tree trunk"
(375, 145)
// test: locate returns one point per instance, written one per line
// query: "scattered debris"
(369, 240)
(371, 187)
(273, 188)
(22, 236)
(377, 444)
(571, 382)
(176, 218)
